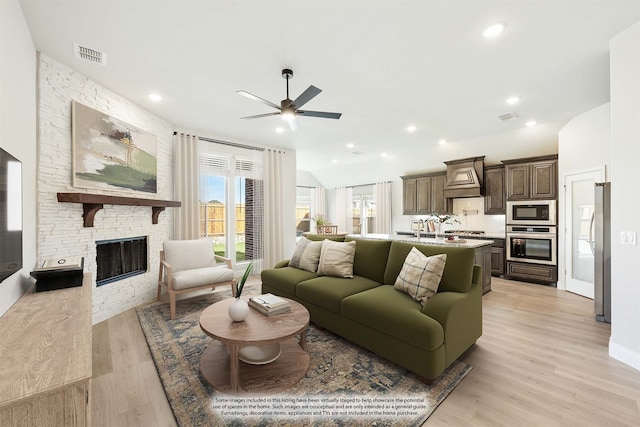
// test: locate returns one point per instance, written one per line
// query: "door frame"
(565, 217)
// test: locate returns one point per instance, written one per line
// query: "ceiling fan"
(289, 109)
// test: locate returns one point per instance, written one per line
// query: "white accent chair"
(189, 265)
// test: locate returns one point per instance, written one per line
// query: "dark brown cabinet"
(483, 258)
(532, 178)
(536, 273)
(497, 257)
(494, 193)
(424, 194)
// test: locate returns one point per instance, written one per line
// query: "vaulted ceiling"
(384, 65)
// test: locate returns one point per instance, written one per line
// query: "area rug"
(346, 385)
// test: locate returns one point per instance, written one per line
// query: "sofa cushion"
(285, 279)
(370, 259)
(458, 270)
(186, 279)
(189, 254)
(328, 292)
(307, 255)
(336, 259)
(420, 275)
(395, 314)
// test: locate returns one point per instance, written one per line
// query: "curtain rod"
(366, 185)
(232, 144)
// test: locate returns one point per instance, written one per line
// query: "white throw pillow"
(336, 258)
(420, 275)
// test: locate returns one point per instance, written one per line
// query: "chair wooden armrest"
(227, 260)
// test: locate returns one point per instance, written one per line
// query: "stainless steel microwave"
(531, 212)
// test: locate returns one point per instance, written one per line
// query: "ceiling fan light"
(287, 115)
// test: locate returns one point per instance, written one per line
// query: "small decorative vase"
(438, 230)
(238, 310)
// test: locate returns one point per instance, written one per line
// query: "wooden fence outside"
(213, 216)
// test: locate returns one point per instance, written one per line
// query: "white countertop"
(485, 236)
(464, 243)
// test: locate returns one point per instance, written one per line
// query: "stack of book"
(269, 304)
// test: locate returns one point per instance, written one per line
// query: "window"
(303, 210)
(231, 195)
(363, 209)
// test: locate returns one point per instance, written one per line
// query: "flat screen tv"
(10, 215)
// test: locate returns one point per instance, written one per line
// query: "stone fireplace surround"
(60, 225)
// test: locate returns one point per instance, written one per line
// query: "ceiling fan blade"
(321, 114)
(293, 123)
(260, 115)
(306, 96)
(257, 98)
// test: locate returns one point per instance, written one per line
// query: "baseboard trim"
(623, 354)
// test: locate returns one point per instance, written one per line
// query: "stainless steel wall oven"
(532, 243)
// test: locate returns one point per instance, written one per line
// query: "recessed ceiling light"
(411, 128)
(442, 142)
(155, 97)
(531, 123)
(279, 129)
(383, 154)
(350, 145)
(512, 100)
(335, 160)
(494, 30)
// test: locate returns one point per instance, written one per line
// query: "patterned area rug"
(346, 385)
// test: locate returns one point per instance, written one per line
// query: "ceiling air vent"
(508, 116)
(88, 54)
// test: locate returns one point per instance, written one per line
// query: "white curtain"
(319, 200)
(274, 205)
(383, 209)
(344, 209)
(186, 219)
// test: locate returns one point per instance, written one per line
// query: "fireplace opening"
(118, 259)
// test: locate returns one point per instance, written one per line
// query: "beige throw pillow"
(297, 254)
(336, 259)
(420, 275)
(311, 257)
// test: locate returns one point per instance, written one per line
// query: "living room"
(38, 87)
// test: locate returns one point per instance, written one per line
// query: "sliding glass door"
(231, 201)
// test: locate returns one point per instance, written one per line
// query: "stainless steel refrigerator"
(601, 248)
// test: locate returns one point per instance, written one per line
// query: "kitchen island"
(482, 248)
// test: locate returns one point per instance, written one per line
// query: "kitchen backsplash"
(470, 212)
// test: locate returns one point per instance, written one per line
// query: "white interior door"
(579, 208)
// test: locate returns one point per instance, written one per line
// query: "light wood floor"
(541, 361)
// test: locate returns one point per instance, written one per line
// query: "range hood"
(464, 178)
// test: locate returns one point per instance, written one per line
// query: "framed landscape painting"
(110, 154)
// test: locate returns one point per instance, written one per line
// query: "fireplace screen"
(118, 259)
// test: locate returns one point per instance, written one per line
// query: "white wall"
(18, 133)
(60, 228)
(625, 195)
(584, 144)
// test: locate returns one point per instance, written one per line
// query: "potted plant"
(239, 309)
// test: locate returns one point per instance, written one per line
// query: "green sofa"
(369, 311)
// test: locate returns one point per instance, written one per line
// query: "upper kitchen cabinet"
(424, 194)
(494, 194)
(531, 178)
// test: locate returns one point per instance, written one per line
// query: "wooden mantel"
(92, 203)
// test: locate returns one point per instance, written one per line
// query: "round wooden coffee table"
(258, 335)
